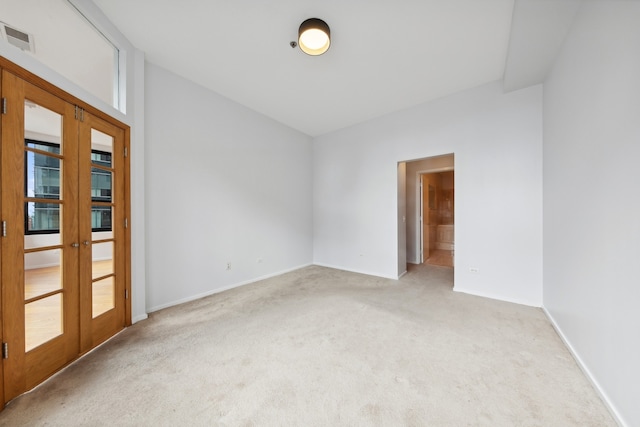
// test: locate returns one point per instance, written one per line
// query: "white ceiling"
(538, 30)
(385, 55)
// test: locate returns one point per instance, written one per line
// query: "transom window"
(57, 34)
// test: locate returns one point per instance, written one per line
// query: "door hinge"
(126, 152)
(126, 223)
(4, 105)
(126, 294)
(5, 350)
(4, 228)
(79, 114)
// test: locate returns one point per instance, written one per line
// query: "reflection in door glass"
(42, 127)
(100, 185)
(101, 148)
(43, 181)
(42, 320)
(39, 240)
(101, 181)
(42, 273)
(42, 218)
(42, 172)
(103, 298)
(101, 218)
(102, 259)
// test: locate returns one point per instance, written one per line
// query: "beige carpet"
(321, 347)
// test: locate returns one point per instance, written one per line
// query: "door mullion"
(84, 234)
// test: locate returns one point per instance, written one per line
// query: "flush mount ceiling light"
(314, 36)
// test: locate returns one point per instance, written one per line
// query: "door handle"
(75, 245)
(86, 243)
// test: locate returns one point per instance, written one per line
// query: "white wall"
(592, 198)
(224, 184)
(497, 142)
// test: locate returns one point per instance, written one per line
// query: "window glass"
(101, 218)
(43, 172)
(43, 182)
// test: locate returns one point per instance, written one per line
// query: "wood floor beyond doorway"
(440, 257)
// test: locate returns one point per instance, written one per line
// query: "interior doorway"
(435, 227)
(437, 218)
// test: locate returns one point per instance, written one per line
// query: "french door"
(64, 250)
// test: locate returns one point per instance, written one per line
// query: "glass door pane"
(102, 237)
(44, 320)
(102, 274)
(42, 273)
(43, 209)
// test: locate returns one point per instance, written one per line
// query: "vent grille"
(17, 38)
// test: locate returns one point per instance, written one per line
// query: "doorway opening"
(427, 223)
(437, 218)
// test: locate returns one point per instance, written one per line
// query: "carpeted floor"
(321, 347)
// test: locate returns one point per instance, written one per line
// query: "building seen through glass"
(42, 181)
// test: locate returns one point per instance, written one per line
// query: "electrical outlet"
(228, 266)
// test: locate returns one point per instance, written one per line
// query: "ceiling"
(385, 55)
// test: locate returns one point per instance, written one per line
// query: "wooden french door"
(101, 208)
(64, 246)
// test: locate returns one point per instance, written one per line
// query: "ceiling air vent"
(17, 38)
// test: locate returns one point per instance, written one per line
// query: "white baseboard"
(368, 273)
(607, 402)
(498, 297)
(139, 318)
(222, 289)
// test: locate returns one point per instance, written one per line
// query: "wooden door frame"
(1, 287)
(39, 82)
(421, 218)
